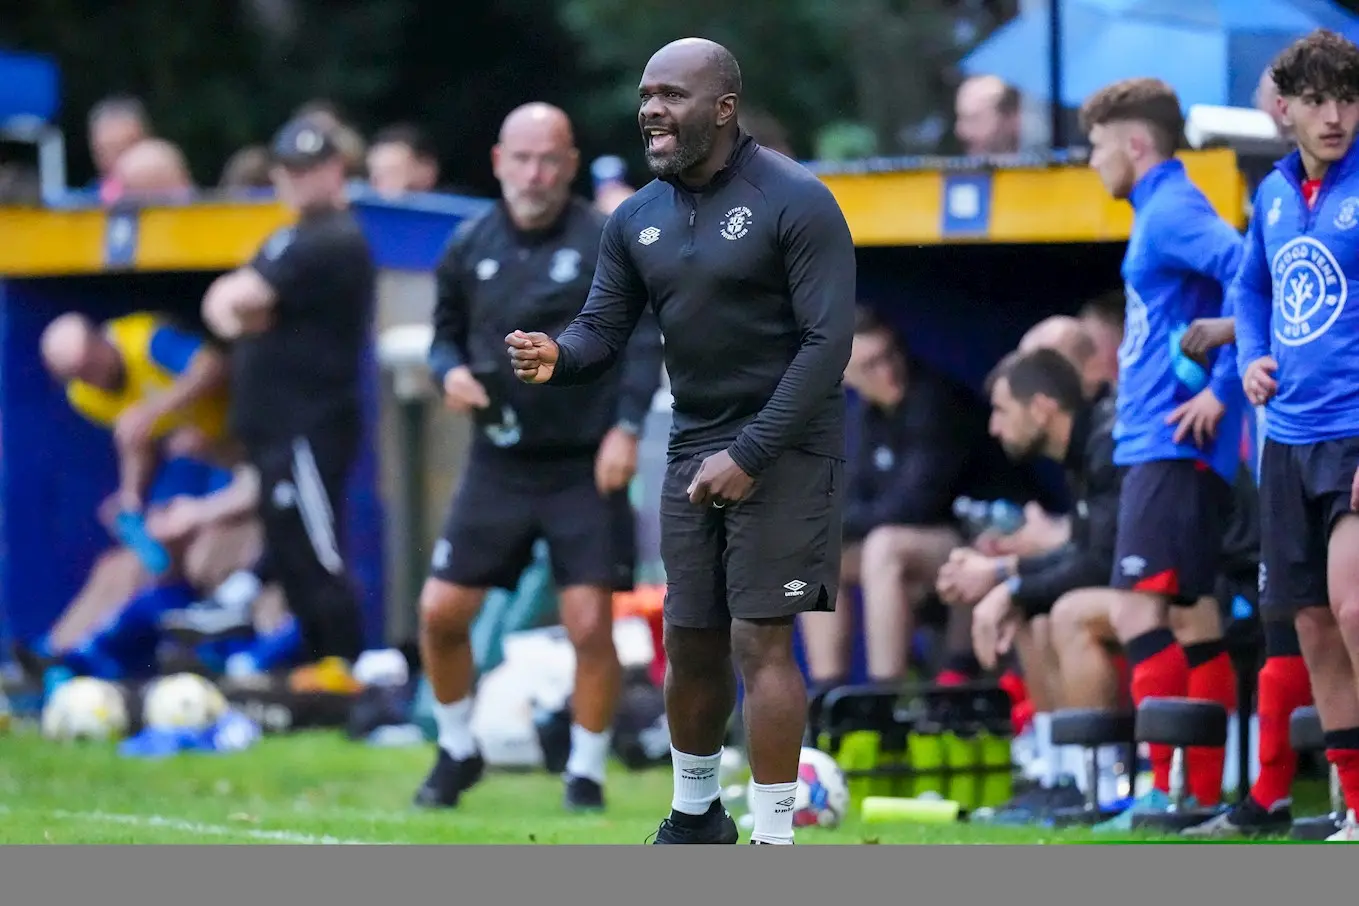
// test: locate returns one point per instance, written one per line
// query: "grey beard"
(685, 157)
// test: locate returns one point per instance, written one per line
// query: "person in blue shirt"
(1298, 355)
(1175, 430)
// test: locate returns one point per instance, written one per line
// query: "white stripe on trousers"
(313, 505)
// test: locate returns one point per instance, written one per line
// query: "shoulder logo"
(487, 268)
(565, 265)
(1310, 290)
(1275, 211)
(737, 223)
(648, 236)
(1347, 218)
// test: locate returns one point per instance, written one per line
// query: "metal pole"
(1055, 74)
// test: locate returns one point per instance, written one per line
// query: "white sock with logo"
(696, 787)
(589, 753)
(772, 806)
(454, 721)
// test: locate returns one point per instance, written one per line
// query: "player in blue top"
(1299, 353)
(1171, 434)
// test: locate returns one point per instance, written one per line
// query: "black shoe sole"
(729, 835)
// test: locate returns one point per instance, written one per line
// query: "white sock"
(696, 787)
(589, 752)
(454, 721)
(238, 591)
(1046, 767)
(1072, 762)
(772, 806)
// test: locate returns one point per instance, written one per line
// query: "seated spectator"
(247, 170)
(922, 443)
(115, 124)
(401, 160)
(144, 379)
(987, 116)
(151, 171)
(1040, 409)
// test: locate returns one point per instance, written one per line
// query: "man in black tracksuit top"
(748, 263)
(550, 463)
(297, 318)
(1038, 409)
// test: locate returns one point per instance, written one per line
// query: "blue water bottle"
(975, 515)
(1189, 372)
(1006, 517)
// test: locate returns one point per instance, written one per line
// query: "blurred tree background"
(219, 75)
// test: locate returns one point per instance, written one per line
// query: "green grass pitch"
(313, 788)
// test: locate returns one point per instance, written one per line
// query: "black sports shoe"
(762, 843)
(449, 779)
(1247, 818)
(583, 795)
(716, 826)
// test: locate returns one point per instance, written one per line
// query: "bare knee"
(759, 645)
(1074, 613)
(698, 654)
(1200, 623)
(587, 614)
(1133, 614)
(913, 550)
(447, 611)
(1318, 634)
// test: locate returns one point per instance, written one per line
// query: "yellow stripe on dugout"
(205, 236)
(50, 243)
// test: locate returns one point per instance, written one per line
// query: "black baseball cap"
(303, 143)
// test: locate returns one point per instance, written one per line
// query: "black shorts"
(1304, 490)
(774, 554)
(505, 505)
(1172, 517)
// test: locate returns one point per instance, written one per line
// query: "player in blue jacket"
(1298, 352)
(1178, 425)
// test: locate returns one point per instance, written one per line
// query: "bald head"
(1068, 337)
(986, 111)
(73, 348)
(153, 167)
(535, 160)
(690, 92)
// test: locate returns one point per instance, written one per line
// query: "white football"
(185, 701)
(84, 708)
(822, 798)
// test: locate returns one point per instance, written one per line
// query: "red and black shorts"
(1172, 517)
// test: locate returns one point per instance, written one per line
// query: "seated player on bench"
(144, 379)
(1040, 408)
(922, 442)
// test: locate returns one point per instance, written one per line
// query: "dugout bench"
(962, 256)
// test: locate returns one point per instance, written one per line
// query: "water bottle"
(975, 515)
(1006, 517)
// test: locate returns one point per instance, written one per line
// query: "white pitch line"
(197, 829)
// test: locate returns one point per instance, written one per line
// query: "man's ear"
(726, 109)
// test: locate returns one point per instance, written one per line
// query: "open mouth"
(659, 140)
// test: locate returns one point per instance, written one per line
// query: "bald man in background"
(551, 463)
(152, 170)
(987, 116)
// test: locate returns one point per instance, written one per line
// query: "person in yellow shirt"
(145, 379)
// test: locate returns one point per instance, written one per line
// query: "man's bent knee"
(587, 615)
(1134, 613)
(1082, 612)
(447, 610)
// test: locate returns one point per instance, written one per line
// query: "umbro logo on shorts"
(794, 588)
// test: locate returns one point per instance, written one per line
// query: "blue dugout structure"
(55, 468)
